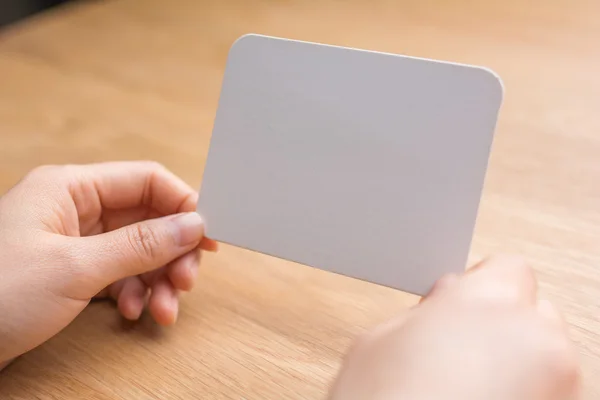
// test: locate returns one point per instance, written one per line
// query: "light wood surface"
(131, 79)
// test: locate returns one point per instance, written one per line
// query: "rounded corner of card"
(244, 41)
(495, 83)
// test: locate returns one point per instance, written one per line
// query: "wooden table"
(138, 79)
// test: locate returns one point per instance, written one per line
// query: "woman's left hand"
(127, 230)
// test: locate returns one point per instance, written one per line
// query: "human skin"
(484, 335)
(127, 230)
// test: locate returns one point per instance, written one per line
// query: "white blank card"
(361, 163)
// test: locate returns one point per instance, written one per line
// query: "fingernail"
(189, 228)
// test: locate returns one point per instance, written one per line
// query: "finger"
(440, 286)
(115, 289)
(183, 271)
(209, 245)
(115, 219)
(132, 298)
(164, 302)
(101, 294)
(551, 314)
(383, 330)
(130, 184)
(4, 364)
(111, 291)
(504, 278)
(150, 277)
(137, 248)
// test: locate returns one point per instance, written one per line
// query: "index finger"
(129, 184)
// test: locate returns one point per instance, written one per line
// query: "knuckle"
(503, 281)
(49, 181)
(514, 266)
(557, 355)
(46, 174)
(41, 172)
(563, 359)
(154, 166)
(520, 267)
(144, 241)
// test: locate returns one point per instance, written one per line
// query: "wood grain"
(140, 79)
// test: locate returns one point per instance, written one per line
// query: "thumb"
(141, 247)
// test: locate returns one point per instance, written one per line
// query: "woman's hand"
(481, 336)
(127, 230)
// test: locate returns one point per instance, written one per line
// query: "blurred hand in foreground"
(484, 335)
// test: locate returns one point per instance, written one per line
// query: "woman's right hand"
(484, 335)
